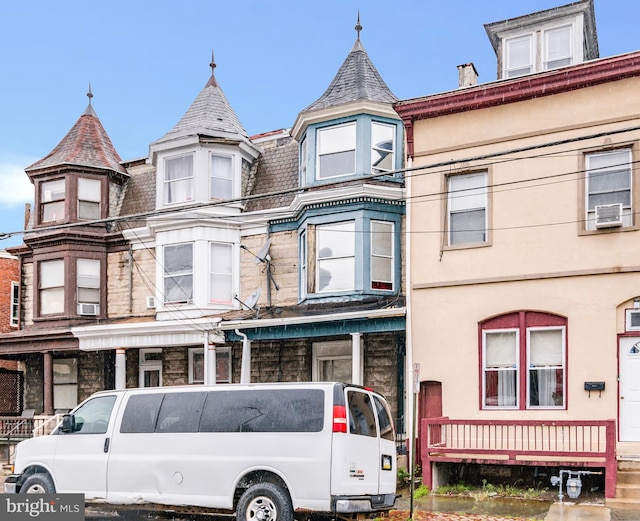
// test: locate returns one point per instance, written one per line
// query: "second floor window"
(178, 179)
(88, 199)
(467, 202)
(52, 201)
(609, 198)
(336, 151)
(178, 273)
(382, 263)
(51, 287)
(221, 276)
(15, 304)
(221, 177)
(88, 280)
(336, 257)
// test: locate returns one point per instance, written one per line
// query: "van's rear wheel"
(38, 484)
(264, 502)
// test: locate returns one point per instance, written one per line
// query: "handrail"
(56, 417)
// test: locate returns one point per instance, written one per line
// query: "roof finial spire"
(213, 62)
(358, 27)
(89, 94)
(212, 81)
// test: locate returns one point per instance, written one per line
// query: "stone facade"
(129, 281)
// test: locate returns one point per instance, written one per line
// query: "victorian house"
(220, 257)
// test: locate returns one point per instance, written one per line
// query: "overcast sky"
(147, 61)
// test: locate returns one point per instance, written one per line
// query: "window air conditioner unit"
(608, 215)
(88, 309)
(151, 302)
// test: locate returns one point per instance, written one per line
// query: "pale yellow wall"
(128, 296)
(536, 232)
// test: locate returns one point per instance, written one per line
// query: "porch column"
(356, 362)
(47, 381)
(210, 363)
(121, 368)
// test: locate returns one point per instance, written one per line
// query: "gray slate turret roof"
(85, 145)
(210, 115)
(356, 80)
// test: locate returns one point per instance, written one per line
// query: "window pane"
(178, 265)
(381, 238)
(221, 272)
(467, 192)
(519, 56)
(336, 257)
(221, 177)
(141, 413)
(336, 151)
(501, 388)
(89, 190)
(334, 370)
(51, 273)
(180, 412)
(545, 347)
(609, 178)
(52, 191)
(382, 147)
(501, 348)
(467, 227)
(361, 416)
(179, 179)
(65, 370)
(558, 47)
(93, 417)
(546, 387)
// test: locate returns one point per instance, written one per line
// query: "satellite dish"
(253, 299)
(263, 253)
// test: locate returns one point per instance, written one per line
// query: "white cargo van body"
(305, 447)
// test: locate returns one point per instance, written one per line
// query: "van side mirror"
(68, 423)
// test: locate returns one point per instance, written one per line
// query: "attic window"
(88, 198)
(52, 195)
(336, 151)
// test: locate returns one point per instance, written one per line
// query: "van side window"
(141, 413)
(180, 412)
(264, 411)
(362, 419)
(93, 417)
(384, 419)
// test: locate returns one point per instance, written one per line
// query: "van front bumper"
(352, 504)
(11, 484)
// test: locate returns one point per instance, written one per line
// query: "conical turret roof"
(356, 80)
(87, 144)
(210, 114)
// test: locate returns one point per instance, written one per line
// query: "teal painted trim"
(320, 329)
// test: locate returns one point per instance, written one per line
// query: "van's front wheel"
(38, 484)
(264, 502)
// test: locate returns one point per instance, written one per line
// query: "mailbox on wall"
(594, 386)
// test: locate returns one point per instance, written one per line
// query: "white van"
(263, 451)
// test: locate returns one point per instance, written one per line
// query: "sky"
(147, 61)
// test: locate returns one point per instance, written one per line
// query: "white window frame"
(486, 369)
(55, 285)
(150, 365)
(383, 153)
(512, 71)
(563, 366)
(89, 198)
(333, 350)
(377, 257)
(466, 200)
(187, 180)
(14, 320)
(178, 274)
(217, 273)
(226, 180)
(627, 209)
(349, 230)
(327, 145)
(53, 196)
(570, 56)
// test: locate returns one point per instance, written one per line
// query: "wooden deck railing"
(523, 442)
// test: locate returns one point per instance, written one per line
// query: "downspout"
(245, 371)
(408, 381)
(130, 279)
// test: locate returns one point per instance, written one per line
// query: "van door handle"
(106, 445)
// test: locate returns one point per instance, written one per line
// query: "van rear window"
(283, 410)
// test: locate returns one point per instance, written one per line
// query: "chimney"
(467, 75)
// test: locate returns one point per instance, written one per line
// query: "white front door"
(629, 399)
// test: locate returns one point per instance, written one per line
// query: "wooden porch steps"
(628, 485)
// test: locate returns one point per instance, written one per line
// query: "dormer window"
(221, 177)
(336, 151)
(52, 201)
(88, 199)
(178, 179)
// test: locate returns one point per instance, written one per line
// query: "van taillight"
(339, 418)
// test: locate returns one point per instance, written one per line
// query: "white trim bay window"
(335, 257)
(51, 287)
(88, 286)
(608, 189)
(524, 365)
(221, 178)
(467, 208)
(178, 179)
(178, 273)
(336, 151)
(221, 274)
